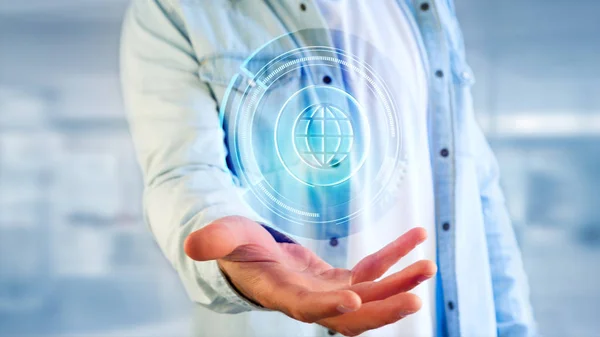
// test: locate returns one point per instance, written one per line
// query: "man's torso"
(224, 33)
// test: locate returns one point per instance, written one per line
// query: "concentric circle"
(312, 157)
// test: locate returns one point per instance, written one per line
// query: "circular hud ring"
(313, 155)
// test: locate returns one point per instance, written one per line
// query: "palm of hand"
(292, 279)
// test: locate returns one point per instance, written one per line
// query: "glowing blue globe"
(323, 136)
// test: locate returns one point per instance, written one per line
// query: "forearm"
(179, 144)
(511, 290)
(514, 315)
(172, 215)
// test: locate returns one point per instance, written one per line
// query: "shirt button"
(451, 305)
(333, 242)
(439, 73)
(444, 153)
(326, 79)
(331, 332)
(446, 226)
(465, 75)
(425, 6)
(302, 7)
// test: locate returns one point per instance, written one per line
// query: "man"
(178, 57)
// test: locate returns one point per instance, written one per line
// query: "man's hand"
(292, 279)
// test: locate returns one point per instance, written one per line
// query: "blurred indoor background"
(77, 260)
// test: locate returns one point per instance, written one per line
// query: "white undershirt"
(382, 24)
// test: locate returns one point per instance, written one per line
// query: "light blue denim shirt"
(178, 57)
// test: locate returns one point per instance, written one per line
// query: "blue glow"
(306, 151)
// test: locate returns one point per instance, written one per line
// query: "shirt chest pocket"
(230, 78)
(224, 71)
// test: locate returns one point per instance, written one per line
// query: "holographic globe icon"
(323, 136)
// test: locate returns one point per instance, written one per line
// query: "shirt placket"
(442, 159)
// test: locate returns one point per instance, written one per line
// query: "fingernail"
(423, 278)
(344, 309)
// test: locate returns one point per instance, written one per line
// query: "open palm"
(290, 278)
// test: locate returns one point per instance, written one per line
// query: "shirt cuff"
(230, 297)
(278, 236)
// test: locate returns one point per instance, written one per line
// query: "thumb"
(221, 237)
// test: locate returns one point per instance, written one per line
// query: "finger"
(399, 282)
(376, 264)
(223, 236)
(374, 315)
(311, 306)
